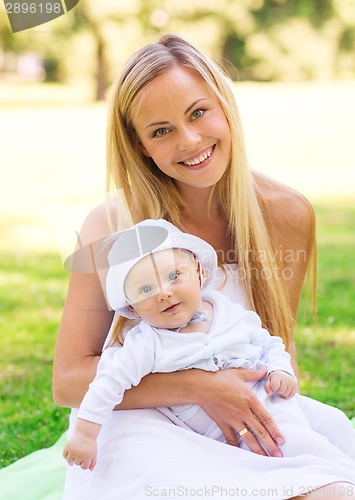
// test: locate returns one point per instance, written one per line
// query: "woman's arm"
(82, 332)
(86, 319)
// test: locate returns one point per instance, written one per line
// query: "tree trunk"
(101, 68)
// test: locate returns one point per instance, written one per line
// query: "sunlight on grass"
(27, 94)
(53, 156)
(326, 362)
(32, 291)
(302, 134)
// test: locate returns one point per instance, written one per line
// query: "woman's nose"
(188, 139)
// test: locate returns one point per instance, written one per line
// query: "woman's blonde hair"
(149, 193)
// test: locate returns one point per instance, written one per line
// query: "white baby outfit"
(141, 454)
(235, 340)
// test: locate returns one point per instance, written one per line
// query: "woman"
(175, 147)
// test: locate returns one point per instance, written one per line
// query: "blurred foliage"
(264, 40)
(316, 11)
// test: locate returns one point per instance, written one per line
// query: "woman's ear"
(143, 149)
(137, 143)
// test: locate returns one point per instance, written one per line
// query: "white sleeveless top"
(228, 282)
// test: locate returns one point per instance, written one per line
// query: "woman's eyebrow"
(154, 124)
(193, 104)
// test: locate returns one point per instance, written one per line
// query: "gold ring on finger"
(243, 431)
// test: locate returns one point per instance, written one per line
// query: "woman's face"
(182, 127)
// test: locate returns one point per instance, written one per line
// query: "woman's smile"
(200, 160)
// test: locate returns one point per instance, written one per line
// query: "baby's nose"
(164, 293)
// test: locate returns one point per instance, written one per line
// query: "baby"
(159, 275)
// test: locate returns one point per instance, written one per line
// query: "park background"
(293, 63)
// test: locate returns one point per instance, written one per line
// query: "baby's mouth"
(171, 309)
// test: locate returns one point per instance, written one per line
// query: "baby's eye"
(198, 113)
(145, 289)
(174, 276)
(160, 132)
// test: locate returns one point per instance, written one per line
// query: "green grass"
(326, 355)
(32, 292)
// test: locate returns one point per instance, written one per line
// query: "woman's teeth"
(199, 159)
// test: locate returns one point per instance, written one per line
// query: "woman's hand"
(234, 407)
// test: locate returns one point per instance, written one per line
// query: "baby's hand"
(282, 383)
(81, 450)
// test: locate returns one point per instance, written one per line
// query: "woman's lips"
(202, 164)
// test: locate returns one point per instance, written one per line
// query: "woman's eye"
(160, 132)
(198, 113)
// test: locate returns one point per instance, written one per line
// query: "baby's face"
(164, 288)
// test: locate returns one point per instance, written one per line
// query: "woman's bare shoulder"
(97, 224)
(289, 211)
